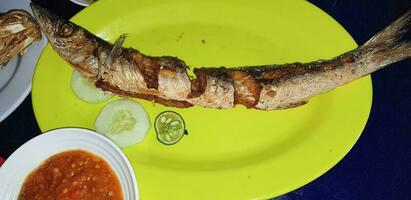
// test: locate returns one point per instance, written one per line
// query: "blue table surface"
(378, 166)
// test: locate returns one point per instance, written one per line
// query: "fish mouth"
(46, 19)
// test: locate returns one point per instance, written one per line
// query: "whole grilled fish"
(127, 72)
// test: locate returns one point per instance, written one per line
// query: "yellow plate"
(228, 154)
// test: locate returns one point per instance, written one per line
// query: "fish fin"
(294, 104)
(116, 50)
(391, 44)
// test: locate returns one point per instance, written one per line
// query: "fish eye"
(66, 30)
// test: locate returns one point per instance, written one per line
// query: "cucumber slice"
(124, 121)
(170, 127)
(86, 90)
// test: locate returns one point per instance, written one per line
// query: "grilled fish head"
(61, 33)
(73, 43)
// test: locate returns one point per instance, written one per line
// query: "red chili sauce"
(74, 175)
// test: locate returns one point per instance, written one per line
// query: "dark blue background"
(379, 165)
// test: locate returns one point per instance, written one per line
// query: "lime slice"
(170, 127)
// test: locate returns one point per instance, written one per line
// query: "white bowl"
(81, 2)
(31, 154)
(16, 76)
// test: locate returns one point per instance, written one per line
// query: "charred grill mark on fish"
(114, 89)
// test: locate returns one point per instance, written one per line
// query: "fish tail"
(390, 45)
